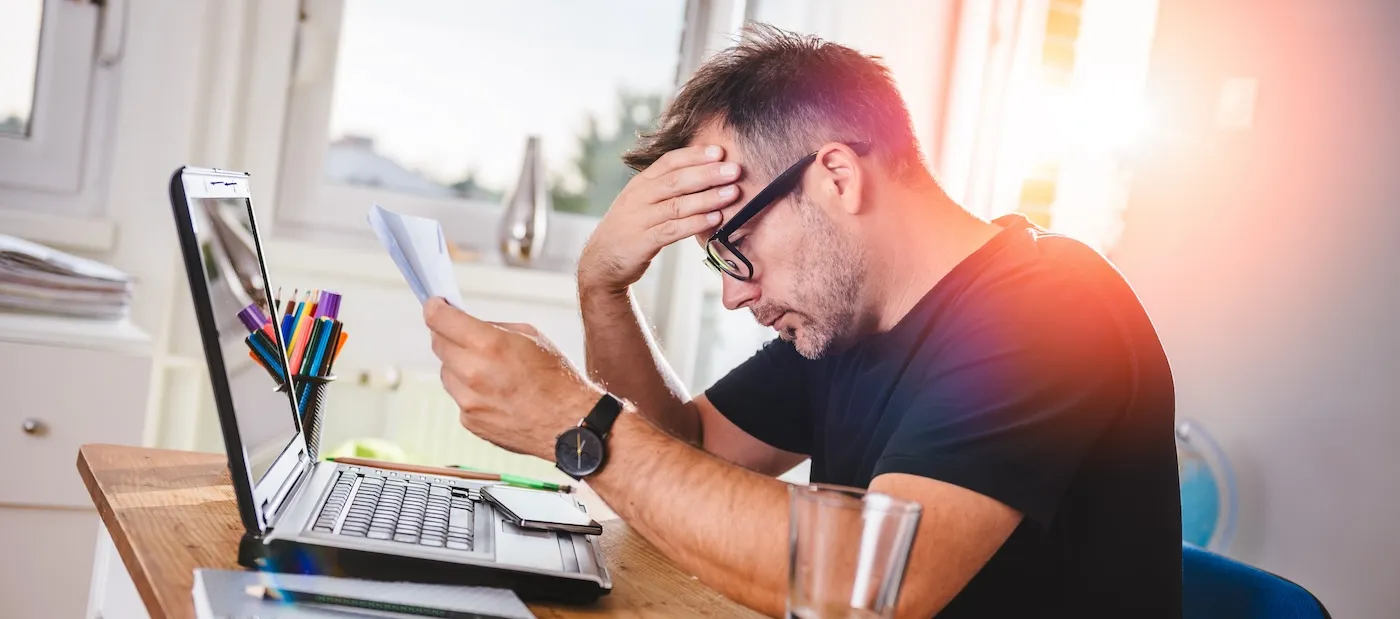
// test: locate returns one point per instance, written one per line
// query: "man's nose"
(737, 294)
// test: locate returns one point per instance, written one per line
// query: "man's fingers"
(673, 230)
(690, 180)
(682, 157)
(464, 365)
(694, 204)
(455, 325)
(466, 398)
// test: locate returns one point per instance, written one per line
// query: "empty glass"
(847, 551)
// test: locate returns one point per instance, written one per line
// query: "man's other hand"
(512, 386)
(678, 196)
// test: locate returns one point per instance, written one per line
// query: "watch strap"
(604, 413)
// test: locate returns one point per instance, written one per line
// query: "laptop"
(310, 517)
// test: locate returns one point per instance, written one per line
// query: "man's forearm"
(623, 358)
(721, 523)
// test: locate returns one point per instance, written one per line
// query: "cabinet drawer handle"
(34, 427)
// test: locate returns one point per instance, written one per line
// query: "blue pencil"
(323, 336)
(269, 360)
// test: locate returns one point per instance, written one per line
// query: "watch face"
(578, 451)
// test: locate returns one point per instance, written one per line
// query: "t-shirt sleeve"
(766, 396)
(1028, 379)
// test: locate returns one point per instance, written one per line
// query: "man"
(1005, 378)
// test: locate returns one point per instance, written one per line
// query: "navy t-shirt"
(1029, 374)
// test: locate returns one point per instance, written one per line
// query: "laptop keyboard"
(409, 511)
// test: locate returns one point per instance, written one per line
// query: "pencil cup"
(311, 397)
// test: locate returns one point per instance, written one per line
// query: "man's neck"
(921, 236)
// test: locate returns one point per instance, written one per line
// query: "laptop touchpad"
(537, 549)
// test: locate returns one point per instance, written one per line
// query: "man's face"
(808, 271)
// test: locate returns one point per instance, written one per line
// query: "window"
(916, 51)
(426, 105)
(48, 55)
(1047, 109)
(19, 45)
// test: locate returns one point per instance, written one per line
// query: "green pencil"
(521, 482)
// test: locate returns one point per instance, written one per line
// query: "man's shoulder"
(1039, 280)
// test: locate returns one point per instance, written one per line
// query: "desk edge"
(139, 578)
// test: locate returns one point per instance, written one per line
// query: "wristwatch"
(580, 451)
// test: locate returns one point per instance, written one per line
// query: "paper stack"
(42, 280)
(224, 593)
(419, 248)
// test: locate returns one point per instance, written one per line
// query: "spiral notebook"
(221, 594)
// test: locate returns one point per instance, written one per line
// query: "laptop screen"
(233, 271)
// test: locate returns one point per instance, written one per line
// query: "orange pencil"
(299, 337)
(339, 344)
(298, 322)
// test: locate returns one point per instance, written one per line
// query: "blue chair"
(1216, 587)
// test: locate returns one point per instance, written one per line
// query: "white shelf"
(111, 335)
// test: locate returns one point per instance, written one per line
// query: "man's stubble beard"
(827, 290)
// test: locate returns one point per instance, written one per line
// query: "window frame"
(309, 206)
(50, 180)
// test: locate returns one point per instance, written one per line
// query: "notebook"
(221, 594)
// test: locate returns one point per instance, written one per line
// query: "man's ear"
(841, 178)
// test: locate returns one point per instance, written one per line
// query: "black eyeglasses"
(720, 253)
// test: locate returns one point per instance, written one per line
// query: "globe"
(1207, 488)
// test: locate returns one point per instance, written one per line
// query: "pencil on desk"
(431, 470)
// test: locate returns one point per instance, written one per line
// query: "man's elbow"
(920, 604)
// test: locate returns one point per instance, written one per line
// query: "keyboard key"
(410, 539)
(379, 534)
(455, 545)
(461, 518)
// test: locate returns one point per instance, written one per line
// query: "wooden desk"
(169, 512)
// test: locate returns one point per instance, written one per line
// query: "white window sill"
(481, 279)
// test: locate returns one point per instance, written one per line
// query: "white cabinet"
(113, 594)
(62, 383)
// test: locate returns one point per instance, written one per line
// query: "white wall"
(1267, 259)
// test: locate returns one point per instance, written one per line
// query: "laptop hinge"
(283, 496)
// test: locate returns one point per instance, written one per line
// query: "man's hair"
(783, 95)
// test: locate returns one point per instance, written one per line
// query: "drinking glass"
(847, 551)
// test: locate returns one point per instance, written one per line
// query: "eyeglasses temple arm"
(780, 185)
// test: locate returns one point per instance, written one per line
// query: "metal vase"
(526, 217)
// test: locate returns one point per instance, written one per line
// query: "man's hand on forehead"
(679, 195)
(726, 214)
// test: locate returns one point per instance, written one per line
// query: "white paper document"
(222, 594)
(419, 248)
(43, 280)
